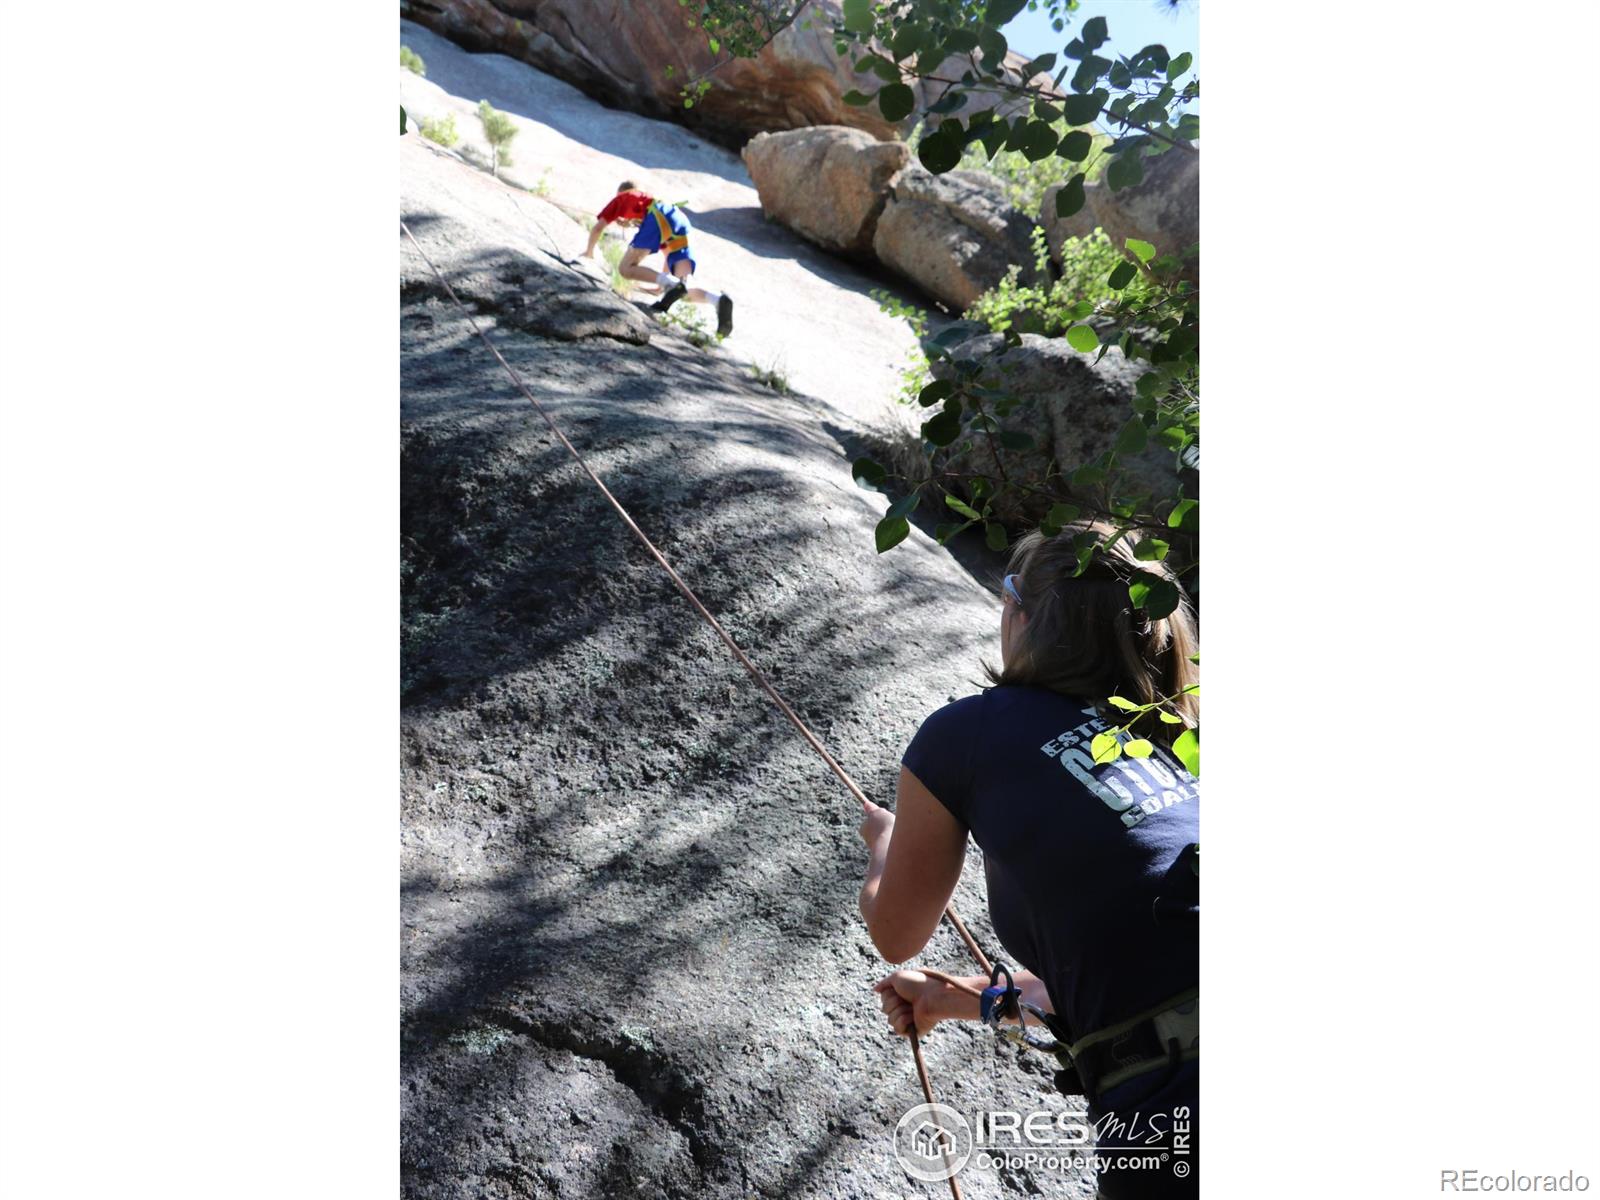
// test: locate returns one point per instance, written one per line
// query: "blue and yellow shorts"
(665, 227)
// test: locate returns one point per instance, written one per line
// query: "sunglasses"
(1008, 586)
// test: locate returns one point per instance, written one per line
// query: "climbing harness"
(671, 242)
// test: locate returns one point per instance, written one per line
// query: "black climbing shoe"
(725, 316)
(674, 293)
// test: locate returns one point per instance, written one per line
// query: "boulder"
(828, 184)
(1079, 225)
(954, 235)
(1072, 406)
(1164, 209)
(639, 54)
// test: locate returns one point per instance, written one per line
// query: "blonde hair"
(1084, 638)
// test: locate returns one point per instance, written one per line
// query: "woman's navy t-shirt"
(1074, 853)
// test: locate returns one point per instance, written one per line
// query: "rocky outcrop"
(1164, 209)
(828, 184)
(1079, 225)
(955, 236)
(1072, 406)
(639, 54)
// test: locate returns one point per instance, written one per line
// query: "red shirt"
(627, 206)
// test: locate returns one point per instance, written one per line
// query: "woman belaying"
(1091, 867)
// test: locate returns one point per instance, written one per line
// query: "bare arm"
(594, 237)
(914, 861)
(913, 997)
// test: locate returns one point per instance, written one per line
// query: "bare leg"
(721, 300)
(698, 295)
(630, 267)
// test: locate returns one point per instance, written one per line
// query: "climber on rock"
(662, 227)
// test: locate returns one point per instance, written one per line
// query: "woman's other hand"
(909, 998)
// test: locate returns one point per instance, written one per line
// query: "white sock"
(664, 279)
(712, 297)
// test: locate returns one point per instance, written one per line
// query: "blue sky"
(1132, 24)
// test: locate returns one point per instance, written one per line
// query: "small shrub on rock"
(441, 129)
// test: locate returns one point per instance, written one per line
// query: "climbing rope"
(755, 672)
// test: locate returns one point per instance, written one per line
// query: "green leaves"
(896, 102)
(858, 19)
(1151, 550)
(1039, 66)
(993, 137)
(1124, 704)
(868, 474)
(998, 12)
(942, 428)
(1156, 594)
(1138, 748)
(909, 39)
(940, 151)
(1125, 172)
(1132, 437)
(891, 531)
(1089, 72)
(1059, 515)
(1070, 198)
(965, 509)
(1075, 146)
(960, 41)
(1187, 748)
(881, 67)
(1038, 141)
(1185, 516)
(1104, 295)
(856, 99)
(1152, 384)
(993, 45)
(402, 118)
(1080, 110)
(905, 506)
(1105, 748)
